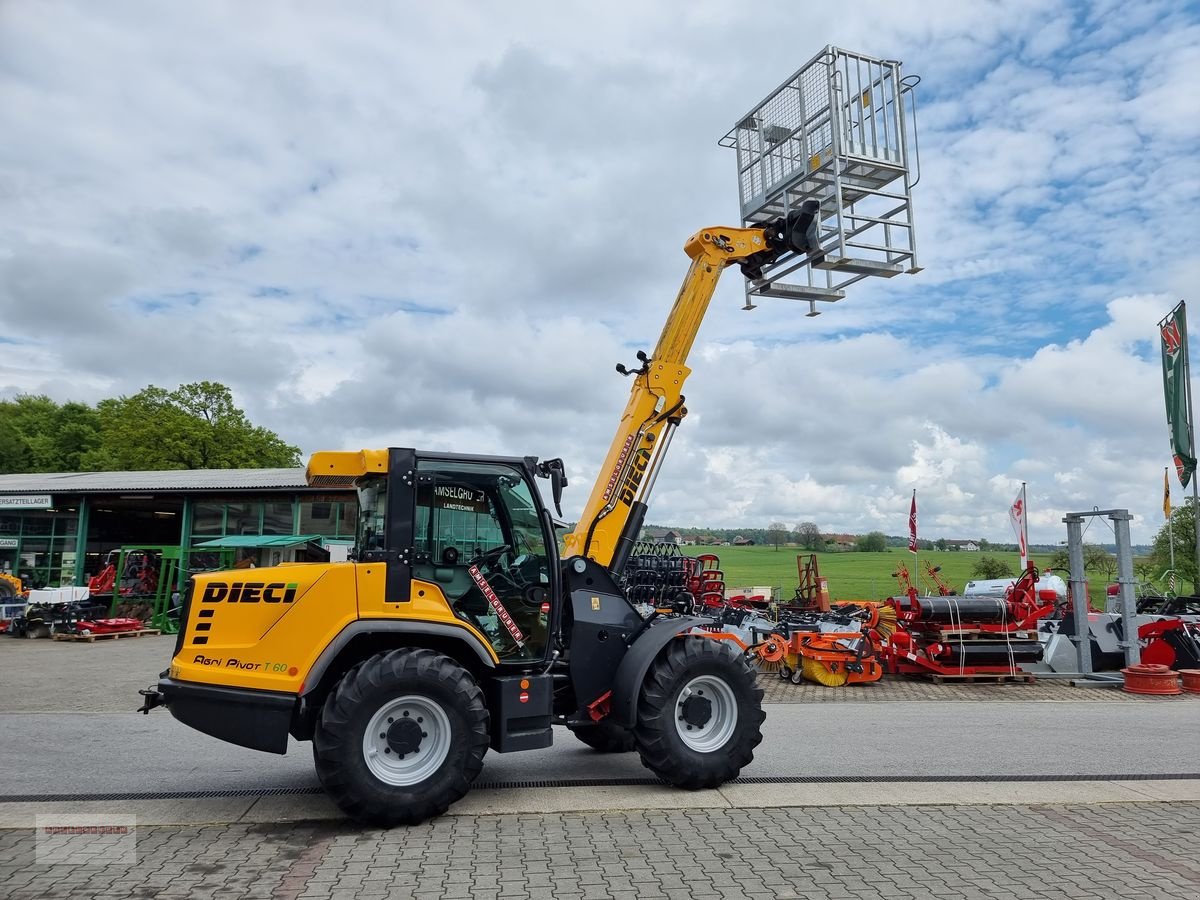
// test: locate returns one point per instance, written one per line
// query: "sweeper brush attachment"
(828, 674)
(831, 649)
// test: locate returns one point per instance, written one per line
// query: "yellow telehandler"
(456, 626)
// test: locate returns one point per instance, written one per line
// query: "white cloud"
(442, 226)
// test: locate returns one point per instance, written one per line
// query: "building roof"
(167, 480)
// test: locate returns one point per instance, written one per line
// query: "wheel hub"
(696, 711)
(407, 740)
(706, 713)
(404, 736)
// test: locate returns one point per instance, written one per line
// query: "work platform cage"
(841, 131)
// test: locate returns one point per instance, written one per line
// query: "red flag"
(912, 524)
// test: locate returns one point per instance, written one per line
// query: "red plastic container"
(1151, 679)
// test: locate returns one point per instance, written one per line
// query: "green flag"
(1173, 335)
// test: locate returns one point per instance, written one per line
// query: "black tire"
(404, 681)
(682, 762)
(605, 736)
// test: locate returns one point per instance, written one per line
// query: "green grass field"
(852, 576)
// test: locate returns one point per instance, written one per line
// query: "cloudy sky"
(440, 225)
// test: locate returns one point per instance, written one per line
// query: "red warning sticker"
(501, 612)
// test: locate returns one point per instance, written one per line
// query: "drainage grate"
(605, 782)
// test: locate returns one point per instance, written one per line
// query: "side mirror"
(553, 469)
(557, 482)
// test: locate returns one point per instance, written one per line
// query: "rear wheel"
(699, 714)
(606, 736)
(401, 737)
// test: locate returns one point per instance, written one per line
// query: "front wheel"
(401, 737)
(699, 714)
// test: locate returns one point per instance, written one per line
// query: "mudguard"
(636, 663)
(391, 626)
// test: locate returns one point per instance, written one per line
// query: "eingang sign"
(25, 501)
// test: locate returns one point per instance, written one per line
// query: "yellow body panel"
(271, 640)
(428, 604)
(343, 466)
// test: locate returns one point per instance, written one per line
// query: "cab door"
(481, 537)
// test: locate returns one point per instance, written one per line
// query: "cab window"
(479, 538)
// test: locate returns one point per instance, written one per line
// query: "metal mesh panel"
(834, 132)
(331, 481)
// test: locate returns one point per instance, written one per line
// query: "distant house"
(740, 541)
(840, 541)
(708, 540)
(968, 546)
(662, 537)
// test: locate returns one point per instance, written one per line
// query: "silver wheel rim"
(716, 732)
(385, 762)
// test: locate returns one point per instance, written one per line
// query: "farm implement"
(968, 637)
(831, 648)
(144, 586)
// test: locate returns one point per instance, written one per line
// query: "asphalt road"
(117, 753)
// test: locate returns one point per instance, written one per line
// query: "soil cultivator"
(660, 576)
(968, 637)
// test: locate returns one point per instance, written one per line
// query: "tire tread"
(661, 749)
(335, 741)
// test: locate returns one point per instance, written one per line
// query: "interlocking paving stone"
(1032, 852)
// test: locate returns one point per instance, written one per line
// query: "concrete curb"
(492, 802)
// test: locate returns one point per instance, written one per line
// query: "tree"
(985, 544)
(941, 544)
(38, 435)
(777, 534)
(808, 536)
(875, 542)
(195, 426)
(1183, 527)
(1097, 559)
(989, 567)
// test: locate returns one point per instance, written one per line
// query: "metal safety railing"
(838, 131)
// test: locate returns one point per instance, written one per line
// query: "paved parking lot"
(105, 676)
(1122, 852)
(1005, 841)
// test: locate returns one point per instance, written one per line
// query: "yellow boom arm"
(614, 512)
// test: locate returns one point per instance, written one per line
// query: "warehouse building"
(59, 529)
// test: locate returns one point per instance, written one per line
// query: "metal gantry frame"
(1079, 593)
(838, 132)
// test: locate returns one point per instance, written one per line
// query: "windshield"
(370, 534)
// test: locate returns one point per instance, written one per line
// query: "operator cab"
(481, 535)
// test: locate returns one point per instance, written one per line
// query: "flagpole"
(1170, 530)
(1187, 380)
(916, 565)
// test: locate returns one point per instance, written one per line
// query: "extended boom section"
(616, 508)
